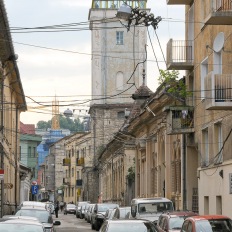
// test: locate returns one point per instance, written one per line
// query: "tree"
(174, 86)
(44, 124)
(65, 123)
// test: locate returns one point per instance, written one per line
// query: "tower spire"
(55, 115)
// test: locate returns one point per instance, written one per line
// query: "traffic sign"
(34, 189)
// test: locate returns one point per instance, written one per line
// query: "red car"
(172, 221)
(207, 223)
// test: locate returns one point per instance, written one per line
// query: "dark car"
(43, 215)
(70, 209)
(98, 214)
(207, 223)
(172, 221)
(128, 225)
(20, 225)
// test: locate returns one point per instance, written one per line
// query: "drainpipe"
(184, 172)
(16, 159)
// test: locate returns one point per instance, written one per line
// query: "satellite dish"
(218, 42)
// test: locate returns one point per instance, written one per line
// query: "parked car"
(109, 214)
(42, 214)
(207, 223)
(150, 208)
(69, 209)
(78, 208)
(31, 204)
(20, 225)
(172, 221)
(98, 214)
(89, 213)
(126, 225)
(83, 210)
(120, 213)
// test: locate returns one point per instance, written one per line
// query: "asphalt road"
(70, 223)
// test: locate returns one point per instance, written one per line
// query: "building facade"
(206, 57)
(113, 82)
(12, 104)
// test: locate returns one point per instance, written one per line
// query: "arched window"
(119, 81)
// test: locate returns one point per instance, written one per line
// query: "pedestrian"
(57, 208)
(61, 206)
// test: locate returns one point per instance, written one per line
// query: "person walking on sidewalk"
(57, 206)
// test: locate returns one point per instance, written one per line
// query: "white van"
(150, 208)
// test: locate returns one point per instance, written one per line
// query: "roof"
(209, 217)
(27, 128)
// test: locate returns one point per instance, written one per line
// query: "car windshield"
(176, 222)
(132, 227)
(155, 207)
(42, 215)
(5, 227)
(103, 208)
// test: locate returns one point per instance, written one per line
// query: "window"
(29, 151)
(218, 141)
(119, 37)
(205, 146)
(34, 151)
(72, 172)
(204, 72)
(119, 81)
(121, 114)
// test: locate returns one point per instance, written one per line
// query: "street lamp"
(140, 17)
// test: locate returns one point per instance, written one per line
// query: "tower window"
(119, 37)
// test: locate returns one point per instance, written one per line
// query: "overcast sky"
(59, 63)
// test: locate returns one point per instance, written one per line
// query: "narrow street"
(70, 223)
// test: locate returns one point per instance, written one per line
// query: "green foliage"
(65, 123)
(131, 173)
(44, 125)
(174, 86)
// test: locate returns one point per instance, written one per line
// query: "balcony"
(79, 183)
(66, 162)
(180, 54)
(218, 88)
(80, 161)
(219, 12)
(179, 2)
(180, 119)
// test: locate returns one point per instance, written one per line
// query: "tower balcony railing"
(178, 2)
(115, 4)
(218, 91)
(218, 12)
(180, 54)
